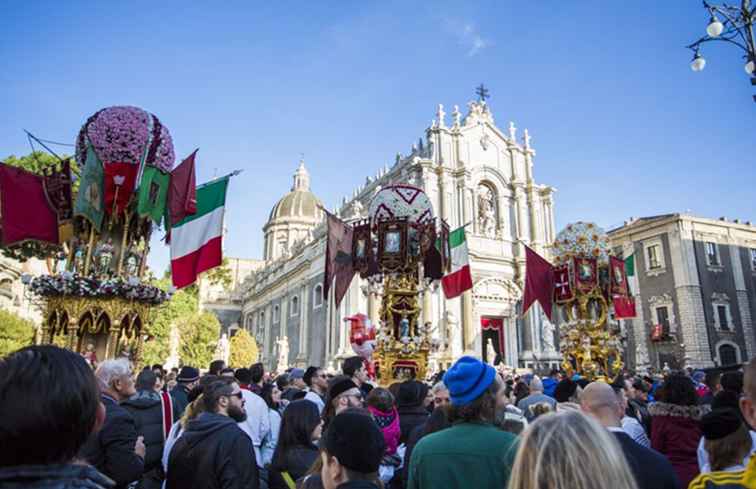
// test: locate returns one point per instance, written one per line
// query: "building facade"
(14, 296)
(475, 174)
(696, 299)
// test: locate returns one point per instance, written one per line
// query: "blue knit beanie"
(467, 379)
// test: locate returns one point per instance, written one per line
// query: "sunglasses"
(236, 394)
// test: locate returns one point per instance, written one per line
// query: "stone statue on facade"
(283, 354)
(547, 334)
(453, 334)
(490, 352)
(223, 348)
(486, 212)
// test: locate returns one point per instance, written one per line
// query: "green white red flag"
(196, 240)
(460, 278)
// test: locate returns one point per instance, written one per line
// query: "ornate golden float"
(400, 250)
(587, 282)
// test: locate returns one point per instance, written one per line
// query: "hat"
(341, 386)
(188, 374)
(699, 376)
(307, 377)
(720, 423)
(356, 442)
(467, 379)
(296, 373)
(411, 393)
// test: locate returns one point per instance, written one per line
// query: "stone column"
(741, 294)
(374, 307)
(427, 311)
(304, 324)
(692, 322)
(468, 326)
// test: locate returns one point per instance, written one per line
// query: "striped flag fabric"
(460, 278)
(196, 240)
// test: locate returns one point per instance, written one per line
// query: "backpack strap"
(289, 481)
(167, 414)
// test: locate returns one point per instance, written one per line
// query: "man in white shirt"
(257, 424)
(317, 380)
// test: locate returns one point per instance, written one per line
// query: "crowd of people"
(63, 425)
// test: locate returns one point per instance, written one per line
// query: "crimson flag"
(338, 258)
(539, 282)
(26, 211)
(586, 274)
(58, 190)
(619, 276)
(562, 286)
(624, 307)
(120, 179)
(182, 192)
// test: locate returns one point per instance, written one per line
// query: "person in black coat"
(412, 402)
(117, 450)
(39, 440)
(651, 469)
(295, 452)
(146, 407)
(187, 379)
(213, 452)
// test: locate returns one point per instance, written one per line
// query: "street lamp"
(737, 29)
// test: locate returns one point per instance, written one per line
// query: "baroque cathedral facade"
(476, 175)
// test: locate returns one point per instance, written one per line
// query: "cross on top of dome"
(301, 177)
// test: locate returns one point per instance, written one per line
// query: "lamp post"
(733, 25)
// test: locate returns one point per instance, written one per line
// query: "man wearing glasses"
(317, 380)
(214, 452)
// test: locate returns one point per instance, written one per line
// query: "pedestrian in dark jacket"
(188, 377)
(650, 468)
(40, 440)
(296, 450)
(353, 447)
(412, 402)
(213, 452)
(676, 425)
(146, 406)
(116, 450)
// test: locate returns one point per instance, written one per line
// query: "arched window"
(317, 296)
(728, 355)
(295, 306)
(276, 314)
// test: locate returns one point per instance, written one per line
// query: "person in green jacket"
(473, 452)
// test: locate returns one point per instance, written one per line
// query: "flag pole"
(228, 175)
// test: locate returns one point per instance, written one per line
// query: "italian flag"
(459, 279)
(196, 240)
(632, 279)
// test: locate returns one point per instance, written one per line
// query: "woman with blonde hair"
(569, 451)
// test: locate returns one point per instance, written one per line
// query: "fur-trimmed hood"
(666, 409)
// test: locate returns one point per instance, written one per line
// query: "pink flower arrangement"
(126, 135)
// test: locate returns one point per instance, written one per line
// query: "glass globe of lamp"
(698, 63)
(715, 27)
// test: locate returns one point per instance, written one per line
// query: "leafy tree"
(182, 306)
(199, 337)
(15, 333)
(36, 161)
(220, 275)
(243, 349)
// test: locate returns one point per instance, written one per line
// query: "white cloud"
(468, 36)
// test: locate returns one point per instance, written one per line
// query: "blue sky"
(621, 125)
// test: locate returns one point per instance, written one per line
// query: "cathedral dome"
(300, 203)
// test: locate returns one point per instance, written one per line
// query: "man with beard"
(213, 452)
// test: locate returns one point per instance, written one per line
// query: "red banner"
(586, 274)
(618, 277)
(563, 291)
(120, 179)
